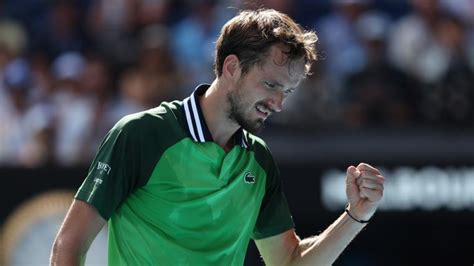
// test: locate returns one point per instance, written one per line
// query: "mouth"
(262, 111)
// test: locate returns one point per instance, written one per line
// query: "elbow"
(306, 245)
(296, 254)
(55, 251)
(303, 253)
(65, 253)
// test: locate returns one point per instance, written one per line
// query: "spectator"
(42, 77)
(135, 95)
(340, 45)
(449, 102)
(96, 84)
(13, 40)
(193, 41)
(62, 31)
(74, 109)
(25, 128)
(413, 45)
(464, 9)
(379, 95)
(152, 12)
(112, 25)
(158, 64)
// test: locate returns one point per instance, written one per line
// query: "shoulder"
(166, 115)
(162, 125)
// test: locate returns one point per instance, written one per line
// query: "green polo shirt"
(172, 196)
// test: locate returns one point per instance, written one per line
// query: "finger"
(371, 176)
(371, 194)
(371, 184)
(377, 178)
(367, 167)
(352, 174)
(376, 187)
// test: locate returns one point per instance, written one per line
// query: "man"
(187, 184)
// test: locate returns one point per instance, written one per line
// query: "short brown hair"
(250, 34)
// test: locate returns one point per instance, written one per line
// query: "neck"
(214, 106)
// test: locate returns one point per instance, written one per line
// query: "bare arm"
(288, 249)
(364, 187)
(80, 227)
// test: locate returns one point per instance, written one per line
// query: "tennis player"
(188, 182)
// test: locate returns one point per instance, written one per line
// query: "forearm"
(364, 188)
(325, 248)
(65, 254)
(81, 225)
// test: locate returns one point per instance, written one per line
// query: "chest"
(195, 187)
(199, 170)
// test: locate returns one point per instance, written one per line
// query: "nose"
(276, 101)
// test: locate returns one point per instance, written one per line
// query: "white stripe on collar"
(189, 118)
(196, 118)
(197, 128)
(244, 141)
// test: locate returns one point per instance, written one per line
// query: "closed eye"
(273, 86)
(269, 85)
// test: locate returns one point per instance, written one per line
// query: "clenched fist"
(364, 189)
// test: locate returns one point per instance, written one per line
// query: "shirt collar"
(196, 124)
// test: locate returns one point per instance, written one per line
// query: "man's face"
(263, 90)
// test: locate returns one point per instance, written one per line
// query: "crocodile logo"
(249, 178)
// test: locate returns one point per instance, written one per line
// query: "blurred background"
(393, 87)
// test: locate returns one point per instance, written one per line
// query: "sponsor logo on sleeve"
(103, 167)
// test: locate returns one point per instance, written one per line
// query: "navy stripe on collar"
(194, 118)
(197, 127)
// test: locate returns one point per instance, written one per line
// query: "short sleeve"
(274, 217)
(114, 172)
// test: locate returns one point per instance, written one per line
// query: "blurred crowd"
(70, 69)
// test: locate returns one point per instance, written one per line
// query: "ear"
(231, 67)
